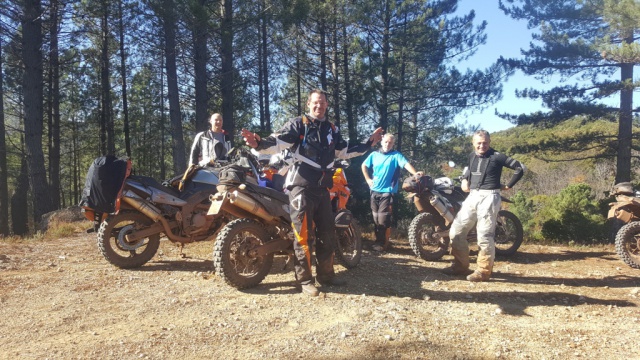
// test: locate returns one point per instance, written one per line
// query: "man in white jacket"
(211, 145)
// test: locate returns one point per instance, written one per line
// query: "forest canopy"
(81, 79)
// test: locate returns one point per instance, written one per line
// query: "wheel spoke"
(232, 254)
(348, 246)
(114, 246)
(425, 239)
(243, 263)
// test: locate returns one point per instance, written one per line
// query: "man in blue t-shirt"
(385, 165)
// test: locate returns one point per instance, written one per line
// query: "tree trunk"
(384, 86)
(200, 59)
(33, 111)
(179, 153)
(263, 125)
(414, 129)
(75, 144)
(625, 122)
(625, 125)
(348, 106)
(413, 119)
(4, 188)
(323, 53)
(163, 121)
(298, 75)
(265, 74)
(76, 161)
(401, 87)
(106, 113)
(54, 110)
(400, 136)
(334, 70)
(20, 201)
(123, 75)
(226, 54)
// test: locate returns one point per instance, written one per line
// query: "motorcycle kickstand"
(181, 254)
(286, 262)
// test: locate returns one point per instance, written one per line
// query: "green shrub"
(525, 210)
(573, 216)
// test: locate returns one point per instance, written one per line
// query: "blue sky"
(505, 37)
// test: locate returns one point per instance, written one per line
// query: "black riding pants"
(382, 210)
(311, 206)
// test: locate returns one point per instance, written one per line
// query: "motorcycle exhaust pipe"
(139, 204)
(439, 205)
(153, 213)
(248, 204)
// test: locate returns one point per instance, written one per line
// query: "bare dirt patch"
(59, 299)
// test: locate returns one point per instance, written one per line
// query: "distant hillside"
(572, 152)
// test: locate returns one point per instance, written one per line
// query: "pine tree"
(32, 40)
(590, 40)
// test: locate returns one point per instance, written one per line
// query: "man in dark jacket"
(482, 181)
(211, 145)
(314, 143)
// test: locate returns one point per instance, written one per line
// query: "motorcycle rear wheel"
(509, 234)
(628, 244)
(114, 246)
(232, 256)
(421, 237)
(349, 245)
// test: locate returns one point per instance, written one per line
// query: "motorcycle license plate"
(215, 207)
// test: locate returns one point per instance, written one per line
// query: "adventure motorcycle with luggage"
(133, 211)
(625, 212)
(438, 201)
(245, 247)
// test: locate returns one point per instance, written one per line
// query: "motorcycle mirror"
(275, 159)
(452, 164)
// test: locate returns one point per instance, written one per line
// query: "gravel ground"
(61, 300)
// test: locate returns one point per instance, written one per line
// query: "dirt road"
(59, 299)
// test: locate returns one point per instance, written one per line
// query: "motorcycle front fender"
(343, 218)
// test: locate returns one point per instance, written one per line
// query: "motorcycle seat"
(151, 182)
(278, 195)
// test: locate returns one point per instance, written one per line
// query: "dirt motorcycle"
(245, 247)
(625, 212)
(348, 233)
(438, 201)
(144, 209)
(348, 238)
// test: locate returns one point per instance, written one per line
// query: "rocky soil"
(59, 299)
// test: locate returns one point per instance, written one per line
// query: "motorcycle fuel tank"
(206, 176)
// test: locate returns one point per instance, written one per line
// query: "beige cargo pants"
(480, 209)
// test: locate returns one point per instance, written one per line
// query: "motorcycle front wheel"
(628, 244)
(423, 239)
(233, 256)
(349, 245)
(115, 247)
(509, 234)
